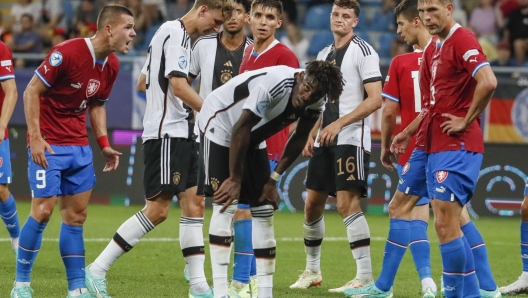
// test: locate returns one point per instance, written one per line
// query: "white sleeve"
(258, 101)
(194, 69)
(145, 66)
(177, 55)
(369, 68)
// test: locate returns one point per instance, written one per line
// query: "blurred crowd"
(34, 26)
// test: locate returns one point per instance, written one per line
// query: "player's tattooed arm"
(240, 136)
(388, 121)
(10, 99)
(486, 85)
(37, 144)
(97, 114)
(181, 88)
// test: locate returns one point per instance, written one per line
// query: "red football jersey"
(425, 90)
(7, 72)
(275, 54)
(453, 66)
(402, 86)
(75, 79)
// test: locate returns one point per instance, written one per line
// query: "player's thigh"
(412, 176)
(452, 175)
(45, 183)
(320, 175)
(215, 166)
(5, 162)
(79, 176)
(168, 163)
(256, 175)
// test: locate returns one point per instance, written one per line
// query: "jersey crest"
(55, 59)
(93, 86)
(441, 176)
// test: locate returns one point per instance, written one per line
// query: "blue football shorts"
(412, 177)
(70, 172)
(452, 175)
(5, 162)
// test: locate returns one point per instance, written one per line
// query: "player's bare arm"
(293, 148)
(367, 107)
(10, 99)
(141, 84)
(309, 147)
(97, 112)
(32, 111)
(181, 88)
(401, 141)
(388, 121)
(230, 188)
(486, 85)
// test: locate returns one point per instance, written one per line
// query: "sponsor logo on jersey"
(262, 105)
(55, 58)
(76, 86)
(5, 63)
(45, 69)
(92, 87)
(401, 181)
(440, 189)
(441, 176)
(470, 53)
(387, 79)
(182, 62)
(473, 60)
(406, 167)
(228, 63)
(8, 68)
(520, 114)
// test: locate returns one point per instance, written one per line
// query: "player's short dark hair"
(244, 3)
(27, 15)
(225, 6)
(328, 76)
(445, 2)
(407, 9)
(350, 4)
(111, 14)
(277, 4)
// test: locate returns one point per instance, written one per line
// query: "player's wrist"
(103, 142)
(275, 176)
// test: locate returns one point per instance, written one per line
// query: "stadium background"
(499, 190)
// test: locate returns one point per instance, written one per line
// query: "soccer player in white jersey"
(169, 149)
(341, 153)
(217, 59)
(236, 120)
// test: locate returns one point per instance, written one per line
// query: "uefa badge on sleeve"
(55, 58)
(182, 62)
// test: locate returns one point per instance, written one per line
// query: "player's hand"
(228, 192)
(38, 148)
(453, 125)
(111, 159)
(270, 194)
(386, 158)
(400, 143)
(308, 148)
(329, 133)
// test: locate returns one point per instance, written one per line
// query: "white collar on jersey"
(272, 44)
(453, 29)
(90, 47)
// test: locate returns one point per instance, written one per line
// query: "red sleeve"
(469, 53)
(7, 70)
(56, 62)
(288, 58)
(391, 89)
(243, 65)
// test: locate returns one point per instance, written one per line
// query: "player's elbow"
(490, 84)
(376, 102)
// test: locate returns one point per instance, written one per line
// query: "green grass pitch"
(154, 267)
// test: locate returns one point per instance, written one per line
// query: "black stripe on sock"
(122, 243)
(193, 251)
(360, 243)
(265, 253)
(313, 242)
(220, 240)
(314, 222)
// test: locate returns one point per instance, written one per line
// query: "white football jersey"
(359, 64)
(169, 54)
(266, 93)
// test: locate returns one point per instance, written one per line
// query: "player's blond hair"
(225, 6)
(111, 14)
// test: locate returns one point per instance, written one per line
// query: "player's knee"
(524, 209)
(4, 192)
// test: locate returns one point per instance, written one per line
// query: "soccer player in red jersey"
(8, 98)
(265, 19)
(461, 85)
(77, 75)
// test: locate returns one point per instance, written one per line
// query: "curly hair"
(328, 76)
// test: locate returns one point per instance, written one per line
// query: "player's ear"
(279, 23)
(203, 9)
(416, 21)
